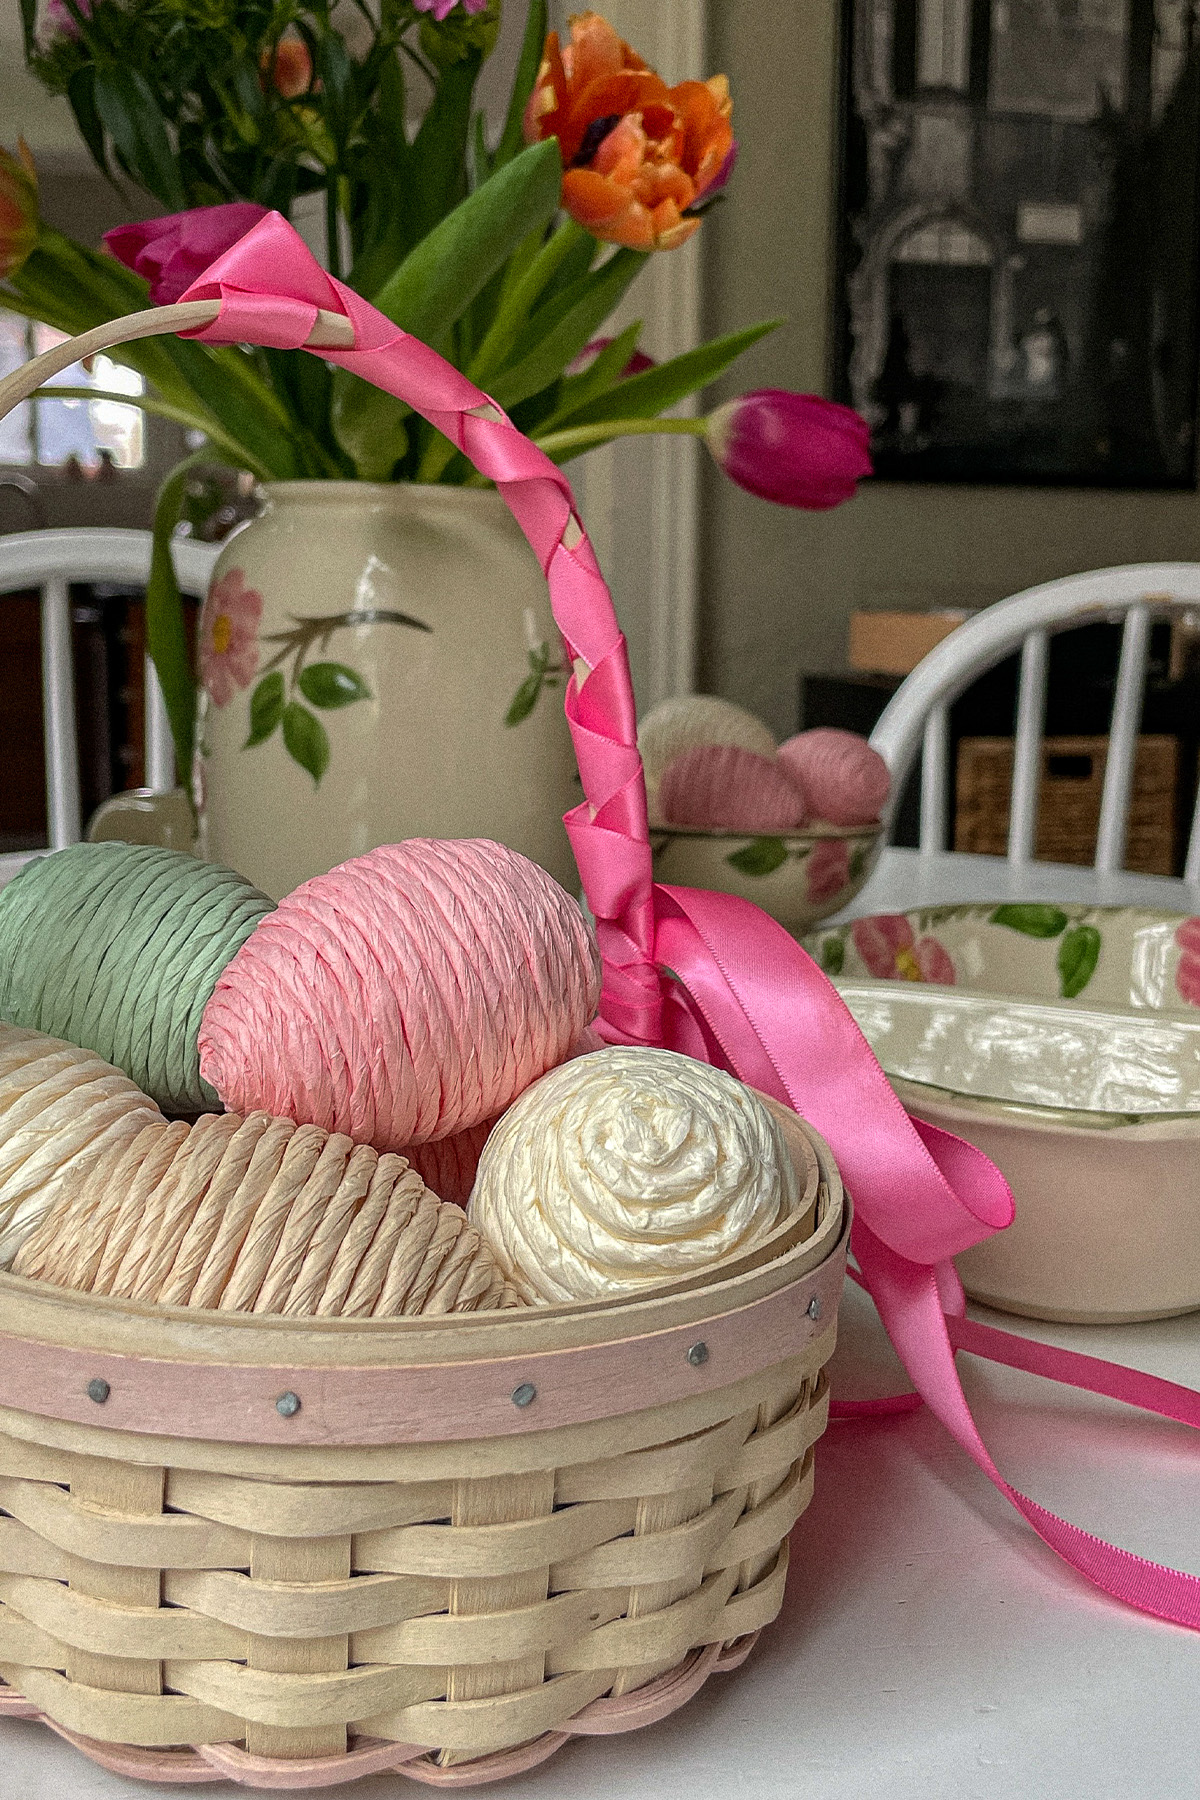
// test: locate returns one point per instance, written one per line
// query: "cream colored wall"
(778, 586)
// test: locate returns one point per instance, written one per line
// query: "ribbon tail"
(910, 1306)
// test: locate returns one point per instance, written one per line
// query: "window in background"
(50, 433)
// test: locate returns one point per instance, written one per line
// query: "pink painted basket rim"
(420, 1403)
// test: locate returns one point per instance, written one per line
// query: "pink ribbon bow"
(706, 973)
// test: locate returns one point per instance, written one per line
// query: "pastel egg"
(687, 720)
(843, 780)
(721, 787)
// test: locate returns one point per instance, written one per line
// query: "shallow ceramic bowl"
(799, 878)
(1065, 1043)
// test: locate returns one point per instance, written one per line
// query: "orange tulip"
(18, 208)
(637, 155)
(289, 68)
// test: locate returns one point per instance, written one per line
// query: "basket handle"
(331, 331)
(268, 289)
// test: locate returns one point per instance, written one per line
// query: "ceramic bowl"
(799, 878)
(1065, 1043)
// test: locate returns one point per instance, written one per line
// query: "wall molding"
(659, 508)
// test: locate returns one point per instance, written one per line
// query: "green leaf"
(1078, 955)
(81, 93)
(525, 698)
(528, 63)
(29, 12)
(438, 279)
(330, 685)
(369, 425)
(545, 349)
(440, 146)
(833, 955)
(646, 395)
(125, 102)
(762, 857)
(1032, 920)
(266, 708)
(306, 739)
(166, 632)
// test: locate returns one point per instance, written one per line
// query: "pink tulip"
(442, 8)
(638, 363)
(60, 21)
(795, 449)
(175, 250)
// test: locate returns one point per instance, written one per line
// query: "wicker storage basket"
(1069, 794)
(474, 1536)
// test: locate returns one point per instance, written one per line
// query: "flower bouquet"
(507, 255)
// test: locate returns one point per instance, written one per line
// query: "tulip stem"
(586, 437)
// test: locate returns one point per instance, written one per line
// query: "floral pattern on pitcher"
(229, 622)
(230, 658)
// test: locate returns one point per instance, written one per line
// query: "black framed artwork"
(1019, 256)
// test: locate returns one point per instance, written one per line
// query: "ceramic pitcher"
(378, 662)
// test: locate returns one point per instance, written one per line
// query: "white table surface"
(930, 1648)
(904, 879)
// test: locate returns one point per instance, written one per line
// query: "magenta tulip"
(175, 250)
(59, 21)
(794, 449)
(638, 363)
(442, 8)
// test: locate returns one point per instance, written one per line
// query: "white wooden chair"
(50, 561)
(917, 718)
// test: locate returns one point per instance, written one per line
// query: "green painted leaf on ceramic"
(1034, 921)
(858, 860)
(833, 955)
(330, 684)
(266, 708)
(761, 857)
(1078, 955)
(305, 739)
(525, 698)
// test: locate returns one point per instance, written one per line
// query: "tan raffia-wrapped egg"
(61, 1108)
(627, 1167)
(682, 723)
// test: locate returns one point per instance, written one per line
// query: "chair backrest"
(50, 561)
(917, 718)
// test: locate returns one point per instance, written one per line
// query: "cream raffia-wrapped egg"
(628, 1167)
(688, 720)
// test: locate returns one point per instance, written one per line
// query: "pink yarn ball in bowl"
(843, 780)
(720, 787)
(409, 994)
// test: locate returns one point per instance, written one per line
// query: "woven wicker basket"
(290, 1553)
(475, 1536)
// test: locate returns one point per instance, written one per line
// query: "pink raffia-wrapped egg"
(843, 780)
(719, 787)
(405, 996)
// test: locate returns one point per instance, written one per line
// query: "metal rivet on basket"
(98, 1390)
(698, 1354)
(814, 1308)
(288, 1405)
(525, 1395)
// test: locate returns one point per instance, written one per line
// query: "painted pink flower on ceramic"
(890, 948)
(229, 622)
(827, 868)
(1187, 975)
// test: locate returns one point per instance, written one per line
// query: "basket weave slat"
(188, 1610)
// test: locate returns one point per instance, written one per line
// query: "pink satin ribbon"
(706, 973)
